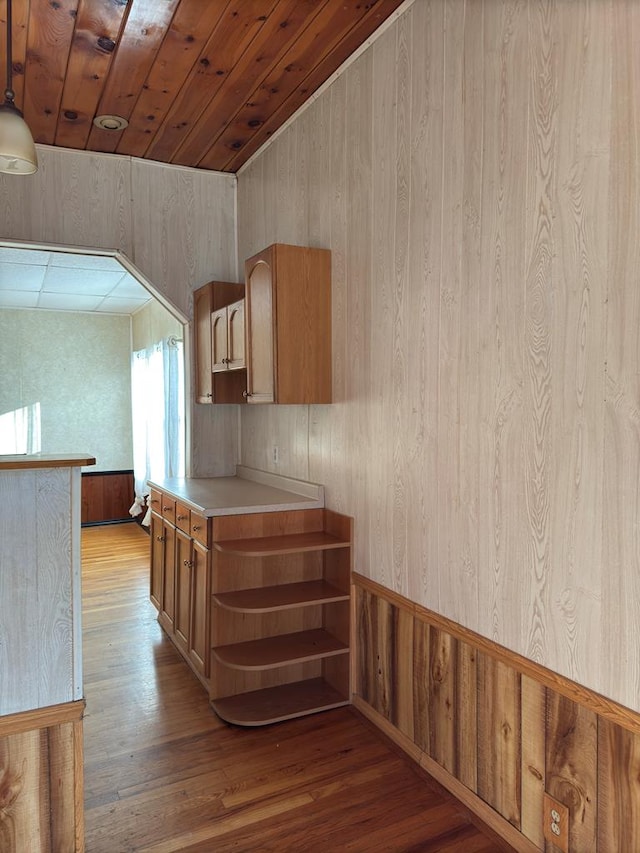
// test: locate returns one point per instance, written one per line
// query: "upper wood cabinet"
(219, 321)
(288, 325)
(227, 337)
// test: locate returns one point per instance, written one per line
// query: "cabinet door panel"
(202, 305)
(168, 579)
(182, 613)
(219, 346)
(235, 336)
(200, 592)
(157, 559)
(260, 353)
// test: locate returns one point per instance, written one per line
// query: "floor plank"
(163, 773)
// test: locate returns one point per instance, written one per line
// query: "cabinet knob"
(196, 527)
(160, 538)
(209, 395)
(247, 394)
(182, 517)
(188, 563)
(166, 508)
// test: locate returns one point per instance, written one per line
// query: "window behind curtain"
(158, 408)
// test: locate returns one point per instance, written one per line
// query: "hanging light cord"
(9, 94)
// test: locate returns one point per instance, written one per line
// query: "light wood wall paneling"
(621, 559)
(618, 788)
(380, 371)
(538, 458)
(454, 373)
(75, 198)
(502, 521)
(499, 737)
(581, 240)
(426, 21)
(571, 767)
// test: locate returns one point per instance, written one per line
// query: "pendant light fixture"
(17, 151)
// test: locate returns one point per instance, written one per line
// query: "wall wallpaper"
(76, 368)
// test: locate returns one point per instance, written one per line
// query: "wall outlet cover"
(556, 823)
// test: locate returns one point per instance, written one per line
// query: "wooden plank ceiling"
(202, 83)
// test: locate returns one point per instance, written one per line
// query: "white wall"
(77, 369)
(176, 225)
(475, 174)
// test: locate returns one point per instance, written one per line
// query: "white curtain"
(20, 430)
(157, 392)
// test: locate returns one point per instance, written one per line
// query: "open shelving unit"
(281, 617)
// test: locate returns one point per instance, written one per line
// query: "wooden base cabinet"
(281, 615)
(180, 578)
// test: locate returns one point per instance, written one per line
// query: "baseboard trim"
(464, 795)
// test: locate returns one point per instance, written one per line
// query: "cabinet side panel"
(303, 299)
(18, 604)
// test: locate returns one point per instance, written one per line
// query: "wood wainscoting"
(496, 729)
(107, 496)
(41, 780)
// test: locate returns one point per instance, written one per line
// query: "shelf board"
(282, 597)
(292, 543)
(274, 704)
(272, 652)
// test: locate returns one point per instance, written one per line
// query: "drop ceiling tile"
(130, 287)
(21, 276)
(37, 257)
(18, 298)
(85, 262)
(120, 305)
(66, 280)
(69, 301)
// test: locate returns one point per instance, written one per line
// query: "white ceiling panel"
(64, 281)
(21, 276)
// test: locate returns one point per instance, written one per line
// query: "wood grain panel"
(618, 817)
(50, 38)
(499, 737)
(621, 580)
(466, 715)
(426, 22)
(571, 767)
(533, 776)
(442, 698)
(140, 45)
(24, 801)
(89, 60)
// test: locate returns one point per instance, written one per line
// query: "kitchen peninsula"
(251, 576)
(41, 694)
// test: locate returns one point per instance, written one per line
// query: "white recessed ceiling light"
(110, 122)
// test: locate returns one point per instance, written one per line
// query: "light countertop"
(45, 460)
(249, 491)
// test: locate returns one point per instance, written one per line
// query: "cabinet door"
(202, 305)
(260, 309)
(182, 612)
(167, 611)
(157, 559)
(235, 336)
(200, 592)
(219, 347)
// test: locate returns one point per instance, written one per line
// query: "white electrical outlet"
(556, 823)
(275, 454)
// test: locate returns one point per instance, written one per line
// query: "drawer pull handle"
(160, 538)
(182, 517)
(166, 508)
(196, 527)
(188, 563)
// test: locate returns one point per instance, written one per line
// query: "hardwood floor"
(163, 774)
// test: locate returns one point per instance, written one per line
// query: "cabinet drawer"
(155, 501)
(200, 529)
(183, 517)
(168, 508)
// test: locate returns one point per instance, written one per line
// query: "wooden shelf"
(283, 597)
(274, 704)
(293, 543)
(272, 652)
